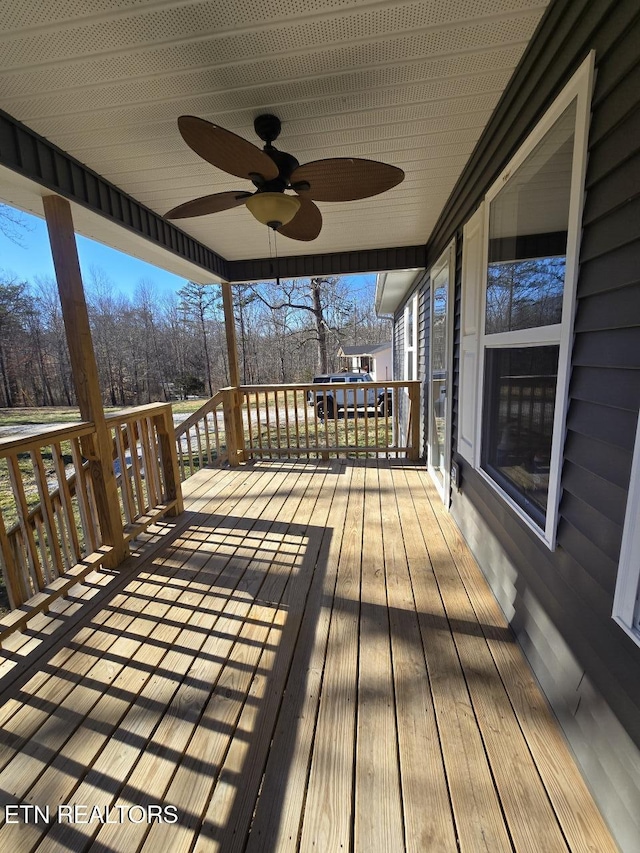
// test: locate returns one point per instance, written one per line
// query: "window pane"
(524, 294)
(439, 321)
(518, 423)
(528, 221)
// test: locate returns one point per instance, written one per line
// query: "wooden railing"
(201, 438)
(336, 419)
(308, 420)
(50, 533)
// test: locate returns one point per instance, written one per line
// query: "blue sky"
(33, 259)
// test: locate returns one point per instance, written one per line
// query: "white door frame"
(445, 261)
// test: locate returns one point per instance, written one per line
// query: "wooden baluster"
(22, 561)
(65, 500)
(286, 422)
(145, 464)
(67, 556)
(199, 445)
(276, 410)
(395, 420)
(189, 451)
(296, 414)
(48, 571)
(183, 476)
(154, 488)
(250, 424)
(82, 493)
(13, 577)
(216, 429)
(23, 517)
(268, 422)
(125, 476)
(157, 461)
(239, 424)
(305, 415)
(315, 417)
(258, 421)
(356, 420)
(135, 468)
(207, 441)
(48, 513)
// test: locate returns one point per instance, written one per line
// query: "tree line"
(157, 348)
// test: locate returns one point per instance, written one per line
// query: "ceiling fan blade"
(345, 178)
(225, 149)
(306, 224)
(208, 204)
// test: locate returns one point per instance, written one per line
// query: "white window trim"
(580, 88)
(411, 347)
(445, 261)
(626, 606)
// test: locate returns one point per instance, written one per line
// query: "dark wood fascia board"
(34, 157)
(331, 263)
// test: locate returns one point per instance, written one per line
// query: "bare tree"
(323, 300)
(13, 224)
(199, 301)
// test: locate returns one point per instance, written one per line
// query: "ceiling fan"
(272, 172)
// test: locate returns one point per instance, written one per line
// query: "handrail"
(205, 409)
(46, 435)
(208, 443)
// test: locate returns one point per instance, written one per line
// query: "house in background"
(525, 331)
(370, 358)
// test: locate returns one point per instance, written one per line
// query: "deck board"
(307, 659)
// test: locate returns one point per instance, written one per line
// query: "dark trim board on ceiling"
(331, 263)
(34, 157)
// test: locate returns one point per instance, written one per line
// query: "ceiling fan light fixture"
(273, 209)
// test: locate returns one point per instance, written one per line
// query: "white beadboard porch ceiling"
(407, 82)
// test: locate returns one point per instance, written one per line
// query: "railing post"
(169, 459)
(233, 426)
(414, 420)
(98, 447)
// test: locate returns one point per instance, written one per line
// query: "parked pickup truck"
(342, 402)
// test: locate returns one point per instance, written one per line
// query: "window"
(626, 602)
(518, 299)
(411, 338)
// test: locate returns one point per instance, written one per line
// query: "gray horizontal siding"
(560, 602)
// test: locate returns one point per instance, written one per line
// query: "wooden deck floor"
(307, 659)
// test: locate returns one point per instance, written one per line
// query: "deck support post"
(170, 470)
(99, 449)
(230, 332)
(232, 405)
(232, 412)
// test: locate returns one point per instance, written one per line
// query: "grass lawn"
(69, 414)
